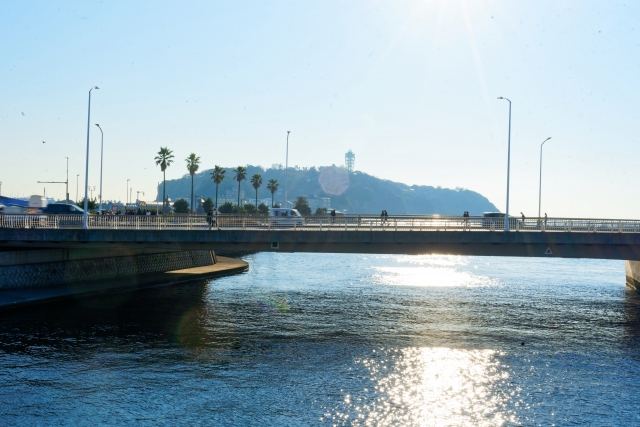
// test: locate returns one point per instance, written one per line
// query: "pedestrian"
(333, 215)
(215, 218)
(210, 218)
(359, 219)
(545, 219)
(386, 216)
(522, 216)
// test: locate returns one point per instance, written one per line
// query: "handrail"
(325, 223)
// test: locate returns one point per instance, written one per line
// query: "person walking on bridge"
(210, 218)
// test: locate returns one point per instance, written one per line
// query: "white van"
(285, 217)
(37, 202)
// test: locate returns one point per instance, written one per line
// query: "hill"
(353, 192)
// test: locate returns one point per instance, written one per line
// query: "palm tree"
(193, 164)
(241, 175)
(273, 187)
(256, 181)
(217, 176)
(164, 159)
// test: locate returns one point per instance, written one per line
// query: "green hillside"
(353, 192)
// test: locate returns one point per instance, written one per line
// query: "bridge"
(405, 234)
(55, 251)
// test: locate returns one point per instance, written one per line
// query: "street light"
(86, 178)
(92, 189)
(286, 170)
(540, 186)
(126, 197)
(77, 177)
(138, 195)
(506, 222)
(101, 146)
(67, 181)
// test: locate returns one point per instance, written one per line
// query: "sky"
(411, 86)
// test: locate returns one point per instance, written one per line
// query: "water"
(346, 340)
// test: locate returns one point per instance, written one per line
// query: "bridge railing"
(321, 223)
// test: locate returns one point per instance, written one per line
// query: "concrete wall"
(29, 275)
(632, 271)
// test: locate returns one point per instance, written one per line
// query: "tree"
(276, 205)
(321, 211)
(193, 164)
(263, 209)
(226, 207)
(91, 204)
(208, 204)
(302, 205)
(217, 176)
(164, 159)
(241, 175)
(181, 206)
(256, 182)
(249, 208)
(273, 187)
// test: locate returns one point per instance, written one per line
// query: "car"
(62, 209)
(496, 220)
(284, 217)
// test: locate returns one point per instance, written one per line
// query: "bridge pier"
(632, 271)
(32, 268)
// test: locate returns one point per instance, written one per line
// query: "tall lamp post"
(86, 178)
(286, 170)
(506, 219)
(127, 195)
(101, 151)
(77, 180)
(540, 186)
(67, 182)
(0, 188)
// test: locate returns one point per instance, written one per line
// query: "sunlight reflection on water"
(432, 387)
(430, 271)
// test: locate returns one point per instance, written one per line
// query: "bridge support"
(22, 269)
(632, 271)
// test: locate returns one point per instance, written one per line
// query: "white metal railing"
(321, 223)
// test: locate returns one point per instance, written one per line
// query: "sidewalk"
(20, 297)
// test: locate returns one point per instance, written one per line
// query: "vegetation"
(241, 175)
(208, 204)
(321, 211)
(164, 159)
(181, 206)
(302, 205)
(91, 204)
(256, 182)
(226, 207)
(217, 175)
(350, 192)
(263, 209)
(250, 209)
(272, 186)
(193, 164)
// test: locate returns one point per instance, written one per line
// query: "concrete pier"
(20, 297)
(632, 271)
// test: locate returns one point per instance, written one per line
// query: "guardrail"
(320, 223)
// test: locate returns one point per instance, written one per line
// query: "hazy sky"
(410, 86)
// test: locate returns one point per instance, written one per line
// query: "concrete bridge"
(555, 237)
(144, 235)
